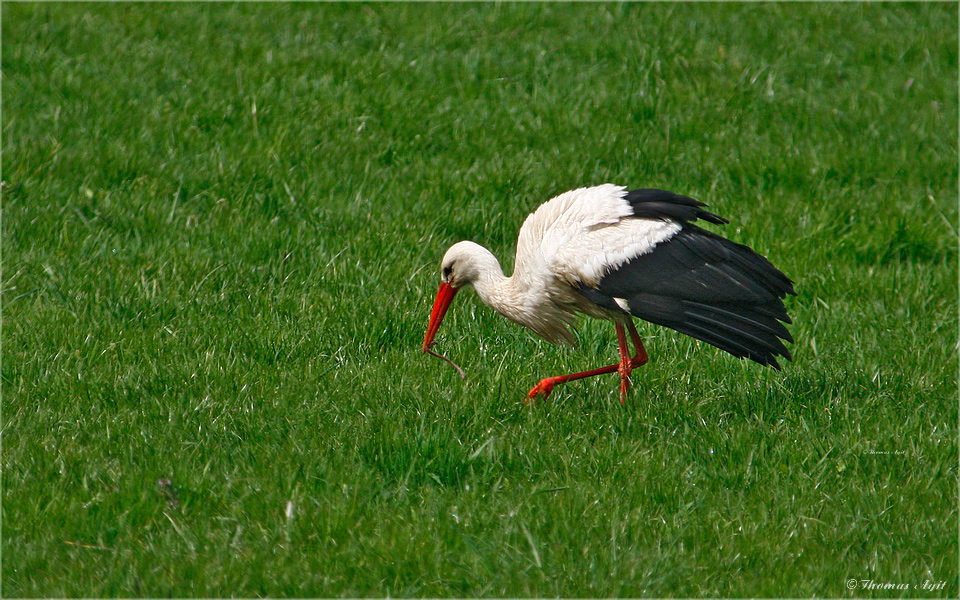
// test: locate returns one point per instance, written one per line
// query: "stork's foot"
(543, 388)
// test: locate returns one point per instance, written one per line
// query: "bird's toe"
(543, 388)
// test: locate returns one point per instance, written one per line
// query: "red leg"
(624, 367)
(627, 364)
(640, 355)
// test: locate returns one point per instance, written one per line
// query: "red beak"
(440, 305)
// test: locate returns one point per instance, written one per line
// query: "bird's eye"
(447, 271)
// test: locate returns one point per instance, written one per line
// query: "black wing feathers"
(702, 284)
(658, 204)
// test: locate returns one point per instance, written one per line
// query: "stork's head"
(465, 263)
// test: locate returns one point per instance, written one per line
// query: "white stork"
(615, 254)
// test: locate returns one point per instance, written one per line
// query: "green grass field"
(222, 226)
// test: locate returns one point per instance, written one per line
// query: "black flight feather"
(659, 204)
